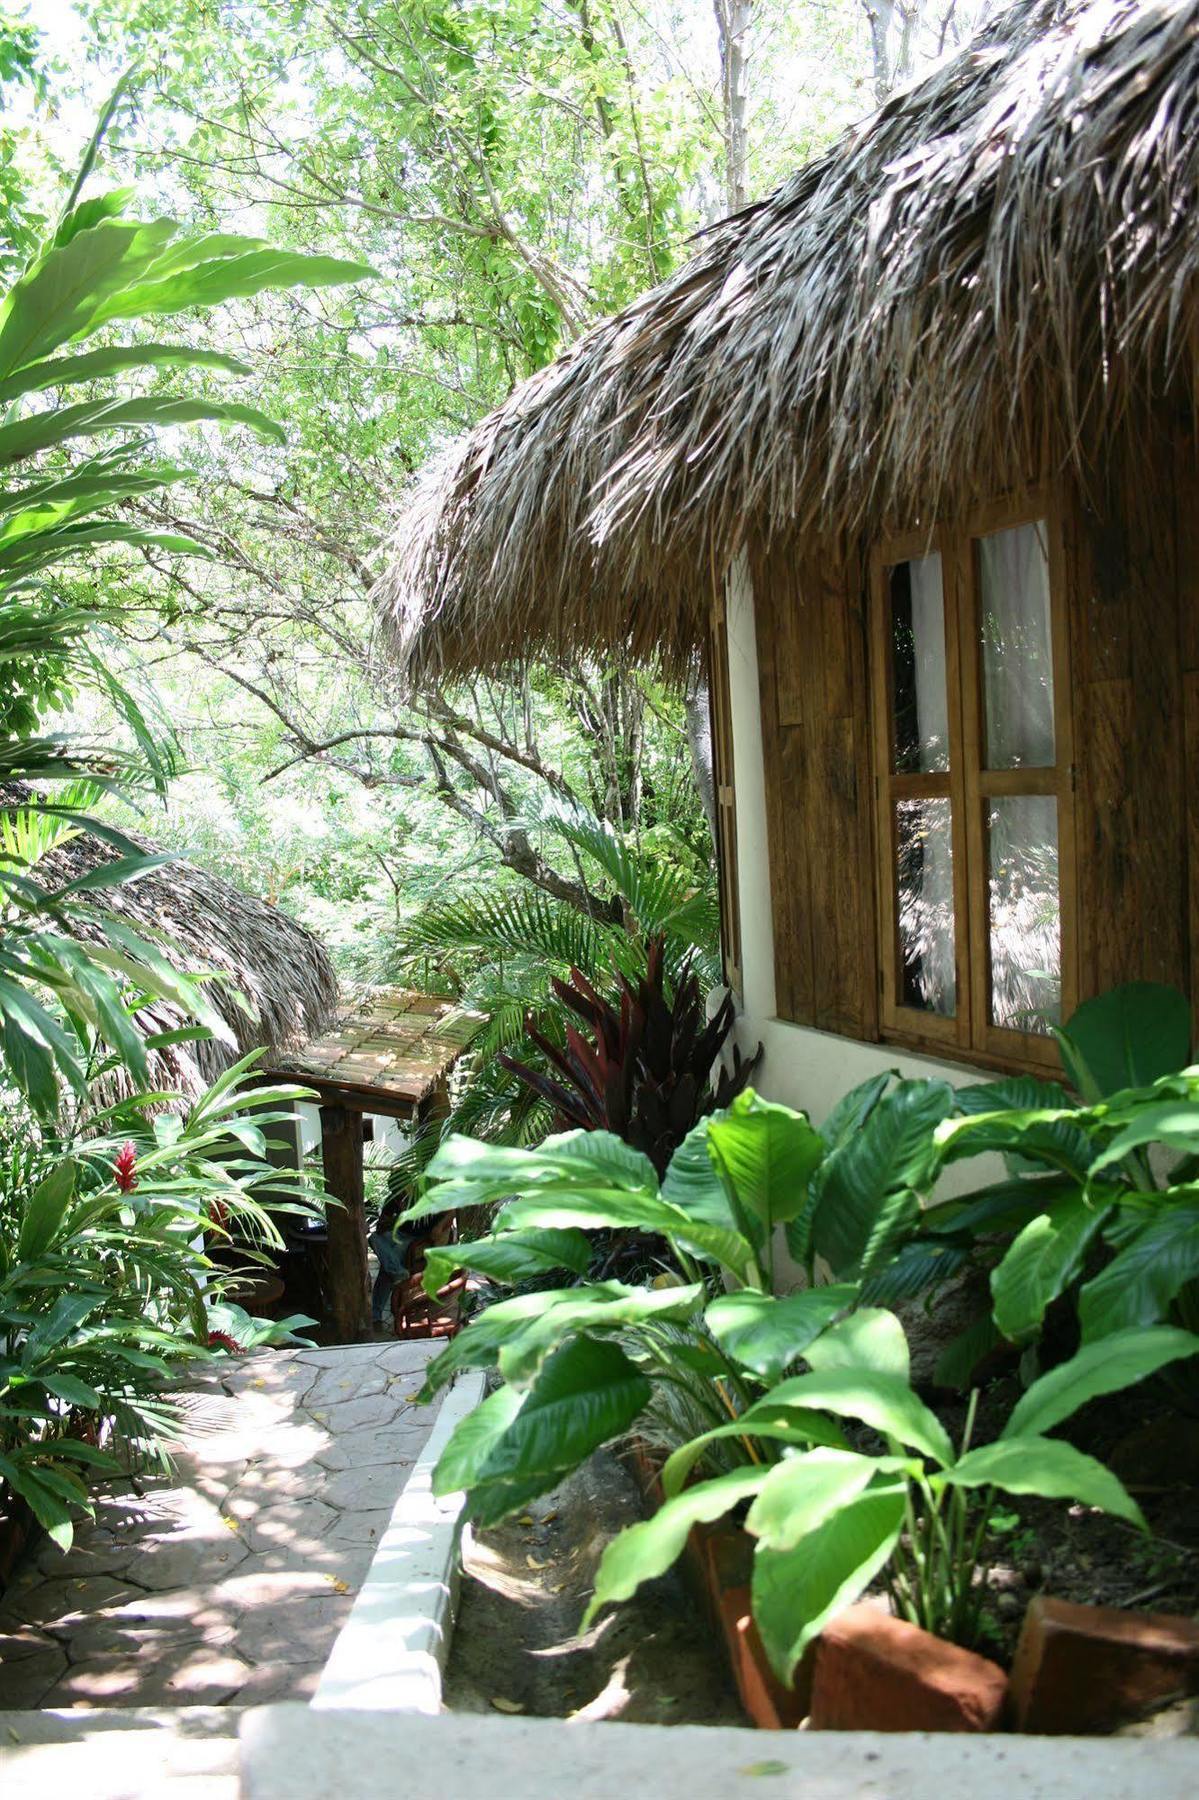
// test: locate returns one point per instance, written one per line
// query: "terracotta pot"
(1085, 1669)
(873, 1672)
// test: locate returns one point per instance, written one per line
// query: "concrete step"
(125, 1753)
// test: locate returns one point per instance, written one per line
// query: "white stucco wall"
(804, 1068)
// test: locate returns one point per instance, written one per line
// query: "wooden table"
(389, 1051)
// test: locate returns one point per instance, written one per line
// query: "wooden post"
(349, 1290)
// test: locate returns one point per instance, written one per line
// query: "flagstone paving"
(226, 1582)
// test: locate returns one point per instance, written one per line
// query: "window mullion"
(964, 725)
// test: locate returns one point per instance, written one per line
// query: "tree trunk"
(733, 19)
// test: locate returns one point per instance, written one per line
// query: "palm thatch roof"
(980, 280)
(278, 986)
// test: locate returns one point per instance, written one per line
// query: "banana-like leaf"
(478, 1347)
(765, 1334)
(884, 1401)
(1174, 1122)
(1138, 1285)
(801, 1493)
(595, 1309)
(764, 1419)
(767, 1154)
(644, 1551)
(1126, 1038)
(867, 1183)
(1041, 1263)
(870, 1338)
(587, 1393)
(115, 359)
(795, 1592)
(509, 1257)
(1105, 1367)
(1049, 1467)
(47, 1208)
(61, 424)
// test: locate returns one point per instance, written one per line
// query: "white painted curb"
(390, 1653)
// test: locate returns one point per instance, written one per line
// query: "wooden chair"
(420, 1315)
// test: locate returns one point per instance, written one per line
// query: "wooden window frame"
(720, 710)
(968, 785)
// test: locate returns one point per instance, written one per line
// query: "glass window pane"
(924, 855)
(1025, 921)
(1013, 586)
(921, 743)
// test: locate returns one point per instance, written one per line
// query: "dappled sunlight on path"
(228, 1580)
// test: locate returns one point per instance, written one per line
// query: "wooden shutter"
(808, 606)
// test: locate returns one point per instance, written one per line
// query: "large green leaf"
(795, 1592)
(767, 1154)
(774, 1424)
(881, 1400)
(1126, 1038)
(869, 1180)
(644, 1551)
(59, 297)
(1174, 1122)
(1049, 1467)
(1105, 1367)
(115, 359)
(511, 1257)
(594, 1309)
(870, 1338)
(628, 1211)
(47, 1208)
(764, 1333)
(473, 1440)
(1137, 1286)
(1041, 1263)
(1051, 1138)
(478, 1347)
(853, 1109)
(693, 1184)
(800, 1493)
(60, 424)
(468, 1172)
(230, 278)
(587, 1393)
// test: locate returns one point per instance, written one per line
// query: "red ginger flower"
(123, 1167)
(220, 1340)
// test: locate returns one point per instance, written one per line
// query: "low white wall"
(803, 1068)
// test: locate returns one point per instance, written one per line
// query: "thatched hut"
(276, 986)
(910, 445)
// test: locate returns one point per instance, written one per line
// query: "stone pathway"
(227, 1581)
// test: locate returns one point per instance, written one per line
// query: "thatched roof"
(975, 281)
(281, 972)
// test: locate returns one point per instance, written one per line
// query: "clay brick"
(1081, 1669)
(770, 1705)
(877, 1673)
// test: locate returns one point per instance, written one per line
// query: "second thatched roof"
(276, 986)
(978, 280)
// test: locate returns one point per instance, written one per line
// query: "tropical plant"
(830, 1516)
(581, 1363)
(106, 1286)
(99, 269)
(1103, 1199)
(648, 1075)
(502, 953)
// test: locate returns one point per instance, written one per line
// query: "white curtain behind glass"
(926, 912)
(1017, 652)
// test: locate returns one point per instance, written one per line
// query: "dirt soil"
(654, 1660)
